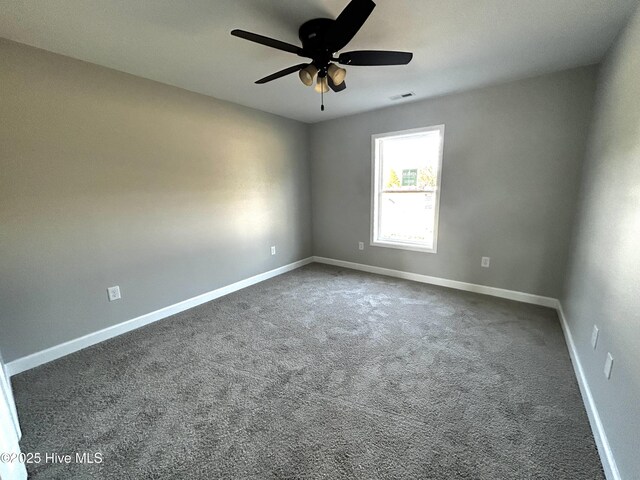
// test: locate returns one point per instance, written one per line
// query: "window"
(406, 188)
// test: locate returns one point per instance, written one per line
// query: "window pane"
(407, 193)
(407, 217)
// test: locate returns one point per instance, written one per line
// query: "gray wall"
(109, 179)
(603, 280)
(512, 155)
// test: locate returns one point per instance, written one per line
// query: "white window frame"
(376, 188)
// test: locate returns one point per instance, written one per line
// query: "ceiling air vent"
(402, 96)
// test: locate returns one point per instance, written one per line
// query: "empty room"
(320, 239)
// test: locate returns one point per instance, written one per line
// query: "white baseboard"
(599, 434)
(443, 282)
(35, 359)
(606, 455)
(604, 449)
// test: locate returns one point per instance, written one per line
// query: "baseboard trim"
(444, 282)
(604, 449)
(44, 356)
(599, 434)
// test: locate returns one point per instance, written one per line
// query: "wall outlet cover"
(360, 245)
(486, 261)
(608, 365)
(113, 293)
(273, 250)
(594, 337)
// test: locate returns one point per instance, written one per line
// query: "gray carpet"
(320, 373)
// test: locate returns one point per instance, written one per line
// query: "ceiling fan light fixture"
(307, 74)
(337, 74)
(322, 85)
(321, 39)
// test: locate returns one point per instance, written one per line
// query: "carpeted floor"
(320, 373)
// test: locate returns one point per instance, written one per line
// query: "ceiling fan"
(321, 38)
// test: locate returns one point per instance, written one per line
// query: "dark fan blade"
(269, 42)
(375, 57)
(334, 87)
(348, 23)
(282, 73)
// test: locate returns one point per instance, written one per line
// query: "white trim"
(9, 444)
(401, 246)
(376, 185)
(5, 389)
(38, 358)
(599, 434)
(604, 449)
(444, 282)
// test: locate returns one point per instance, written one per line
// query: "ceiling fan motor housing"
(312, 34)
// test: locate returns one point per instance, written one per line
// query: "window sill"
(403, 246)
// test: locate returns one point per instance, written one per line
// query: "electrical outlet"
(113, 293)
(594, 337)
(485, 262)
(360, 245)
(608, 365)
(273, 250)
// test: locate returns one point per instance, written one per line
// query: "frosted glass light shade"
(322, 85)
(337, 74)
(307, 74)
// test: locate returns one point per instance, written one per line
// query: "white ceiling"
(457, 44)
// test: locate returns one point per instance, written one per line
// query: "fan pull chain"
(322, 100)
